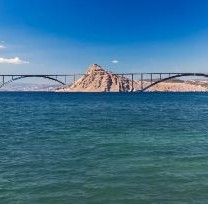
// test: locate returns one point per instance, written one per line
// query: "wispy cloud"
(15, 60)
(2, 47)
(115, 61)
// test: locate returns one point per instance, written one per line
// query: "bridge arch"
(173, 77)
(30, 76)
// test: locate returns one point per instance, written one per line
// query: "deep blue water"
(103, 148)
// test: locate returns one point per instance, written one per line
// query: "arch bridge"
(59, 78)
(152, 78)
(156, 78)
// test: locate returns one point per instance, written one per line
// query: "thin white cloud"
(115, 61)
(15, 60)
(2, 47)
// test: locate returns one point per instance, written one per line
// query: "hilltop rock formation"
(98, 79)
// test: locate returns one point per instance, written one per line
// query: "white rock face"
(97, 79)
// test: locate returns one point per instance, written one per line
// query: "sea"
(105, 148)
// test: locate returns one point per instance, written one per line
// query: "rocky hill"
(98, 79)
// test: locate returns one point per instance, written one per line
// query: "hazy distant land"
(29, 87)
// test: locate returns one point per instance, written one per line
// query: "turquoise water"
(103, 148)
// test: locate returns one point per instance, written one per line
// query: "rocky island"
(97, 79)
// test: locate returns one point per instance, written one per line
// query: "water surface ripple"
(103, 148)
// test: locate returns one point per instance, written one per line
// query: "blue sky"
(66, 36)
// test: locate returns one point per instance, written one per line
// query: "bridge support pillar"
(142, 85)
(132, 82)
(65, 79)
(74, 78)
